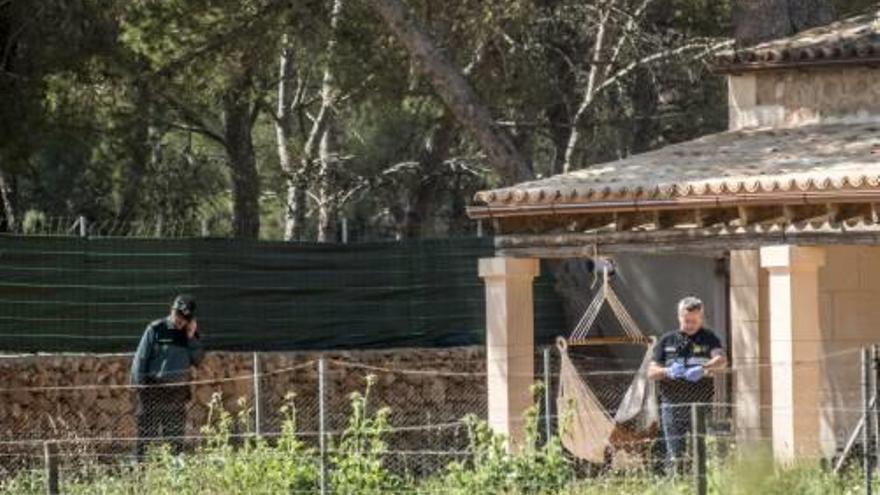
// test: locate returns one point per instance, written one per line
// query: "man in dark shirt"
(160, 367)
(684, 361)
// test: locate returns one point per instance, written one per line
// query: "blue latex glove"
(676, 371)
(694, 374)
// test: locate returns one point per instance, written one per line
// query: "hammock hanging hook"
(607, 267)
(561, 344)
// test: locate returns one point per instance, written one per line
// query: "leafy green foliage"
(230, 463)
(94, 88)
(531, 469)
(357, 464)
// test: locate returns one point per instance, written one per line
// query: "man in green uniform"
(159, 369)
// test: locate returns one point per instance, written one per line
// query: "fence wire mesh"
(96, 422)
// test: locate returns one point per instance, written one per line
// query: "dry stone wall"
(86, 396)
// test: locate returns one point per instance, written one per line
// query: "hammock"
(588, 431)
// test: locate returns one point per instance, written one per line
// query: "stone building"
(789, 193)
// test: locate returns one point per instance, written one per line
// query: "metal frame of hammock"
(590, 432)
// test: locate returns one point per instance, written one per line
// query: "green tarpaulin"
(67, 294)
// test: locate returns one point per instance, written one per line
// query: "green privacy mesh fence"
(97, 294)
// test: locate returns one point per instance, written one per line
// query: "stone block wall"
(86, 396)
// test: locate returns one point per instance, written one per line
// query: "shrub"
(531, 469)
(356, 465)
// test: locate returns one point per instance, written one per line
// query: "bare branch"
(592, 91)
(626, 70)
(191, 117)
(589, 92)
(356, 91)
(477, 57)
(625, 35)
(364, 183)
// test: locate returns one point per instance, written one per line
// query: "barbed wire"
(207, 381)
(411, 371)
(433, 430)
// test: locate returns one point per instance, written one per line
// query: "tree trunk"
(327, 208)
(328, 149)
(294, 218)
(237, 127)
(459, 223)
(557, 116)
(146, 154)
(455, 91)
(755, 21)
(644, 100)
(434, 152)
(10, 208)
(145, 150)
(571, 149)
(295, 211)
(805, 14)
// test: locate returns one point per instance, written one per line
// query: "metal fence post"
(82, 226)
(322, 435)
(867, 431)
(258, 413)
(698, 443)
(50, 457)
(547, 388)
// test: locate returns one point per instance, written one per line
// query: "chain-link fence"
(79, 414)
(85, 408)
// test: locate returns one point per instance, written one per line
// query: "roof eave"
(640, 205)
(760, 66)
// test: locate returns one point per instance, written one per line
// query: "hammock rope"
(589, 431)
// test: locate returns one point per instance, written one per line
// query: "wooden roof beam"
(711, 241)
(795, 214)
(586, 223)
(750, 215)
(628, 221)
(843, 212)
(667, 219)
(714, 216)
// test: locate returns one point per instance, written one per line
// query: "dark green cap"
(185, 306)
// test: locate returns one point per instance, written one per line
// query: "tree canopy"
(276, 119)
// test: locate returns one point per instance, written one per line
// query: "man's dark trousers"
(676, 421)
(161, 416)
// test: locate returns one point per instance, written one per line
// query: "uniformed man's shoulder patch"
(160, 323)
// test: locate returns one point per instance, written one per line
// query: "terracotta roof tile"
(853, 40)
(808, 158)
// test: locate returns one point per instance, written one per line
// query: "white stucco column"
(510, 348)
(749, 349)
(795, 347)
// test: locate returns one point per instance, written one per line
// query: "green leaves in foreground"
(358, 464)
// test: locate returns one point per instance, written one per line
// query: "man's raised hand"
(191, 329)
